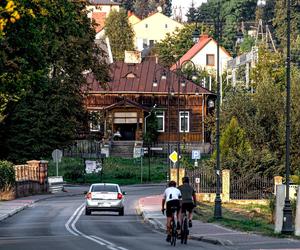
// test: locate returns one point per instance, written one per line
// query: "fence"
(31, 178)
(256, 187)
(208, 180)
(83, 148)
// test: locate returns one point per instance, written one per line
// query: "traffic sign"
(57, 155)
(197, 180)
(173, 157)
(196, 154)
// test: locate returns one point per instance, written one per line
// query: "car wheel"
(87, 211)
(121, 212)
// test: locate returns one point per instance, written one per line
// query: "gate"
(208, 180)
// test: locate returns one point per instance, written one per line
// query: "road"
(59, 224)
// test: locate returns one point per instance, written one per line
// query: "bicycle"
(184, 232)
(174, 233)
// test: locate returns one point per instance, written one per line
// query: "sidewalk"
(150, 209)
(9, 208)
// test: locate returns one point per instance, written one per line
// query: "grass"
(249, 218)
(116, 170)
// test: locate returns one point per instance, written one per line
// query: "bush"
(7, 175)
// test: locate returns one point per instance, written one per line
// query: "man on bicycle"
(171, 197)
(188, 198)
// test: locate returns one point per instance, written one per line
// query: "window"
(95, 121)
(160, 116)
(210, 59)
(146, 25)
(184, 121)
(145, 43)
(166, 26)
(151, 43)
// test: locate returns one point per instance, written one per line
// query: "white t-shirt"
(172, 193)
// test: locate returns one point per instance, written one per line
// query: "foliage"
(7, 175)
(9, 13)
(143, 8)
(232, 12)
(151, 130)
(246, 45)
(116, 170)
(120, 33)
(41, 63)
(175, 45)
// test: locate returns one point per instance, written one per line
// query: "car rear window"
(105, 188)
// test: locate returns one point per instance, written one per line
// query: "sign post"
(56, 156)
(196, 155)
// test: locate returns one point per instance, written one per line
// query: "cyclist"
(171, 197)
(188, 198)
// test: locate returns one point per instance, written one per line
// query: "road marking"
(71, 218)
(71, 227)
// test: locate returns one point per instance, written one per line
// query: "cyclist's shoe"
(168, 239)
(190, 223)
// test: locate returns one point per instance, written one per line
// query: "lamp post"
(287, 226)
(218, 201)
(287, 210)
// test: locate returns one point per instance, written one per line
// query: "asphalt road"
(59, 223)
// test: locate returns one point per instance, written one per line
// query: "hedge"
(7, 175)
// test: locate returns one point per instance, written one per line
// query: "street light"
(218, 201)
(287, 226)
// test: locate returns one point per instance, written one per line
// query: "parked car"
(105, 197)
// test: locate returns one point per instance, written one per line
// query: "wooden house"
(135, 90)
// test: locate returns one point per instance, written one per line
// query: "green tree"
(151, 134)
(41, 63)
(120, 33)
(175, 45)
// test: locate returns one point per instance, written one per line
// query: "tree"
(120, 33)
(192, 13)
(167, 7)
(41, 63)
(175, 45)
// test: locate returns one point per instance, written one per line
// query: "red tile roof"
(99, 18)
(203, 41)
(138, 78)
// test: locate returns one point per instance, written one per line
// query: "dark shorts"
(187, 207)
(172, 204)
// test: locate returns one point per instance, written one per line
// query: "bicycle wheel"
(174, 234)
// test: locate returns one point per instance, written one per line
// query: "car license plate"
(104, 204)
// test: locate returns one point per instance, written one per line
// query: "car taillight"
(89, 196)
(120, 196)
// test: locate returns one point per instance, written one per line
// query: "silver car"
(104, 197)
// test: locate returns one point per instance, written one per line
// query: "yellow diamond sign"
(173, 157)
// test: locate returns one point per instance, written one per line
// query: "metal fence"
(256, 187)
(207, 180)
(83, 148)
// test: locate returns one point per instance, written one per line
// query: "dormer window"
(130, 75)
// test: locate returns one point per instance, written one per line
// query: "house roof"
(138, 78)
(99, 18)
(103, 2)
(203, 41)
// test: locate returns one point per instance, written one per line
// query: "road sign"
(197, 180)
(138, 152)
(57, 155)
(173, 157)
(196, 154)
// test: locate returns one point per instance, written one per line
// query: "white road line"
(71, 218)
(73, 230)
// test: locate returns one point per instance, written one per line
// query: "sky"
(182, 6)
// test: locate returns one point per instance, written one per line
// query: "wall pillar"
(280, 196)
(277, 181)
(226, 185)
(174, 175)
